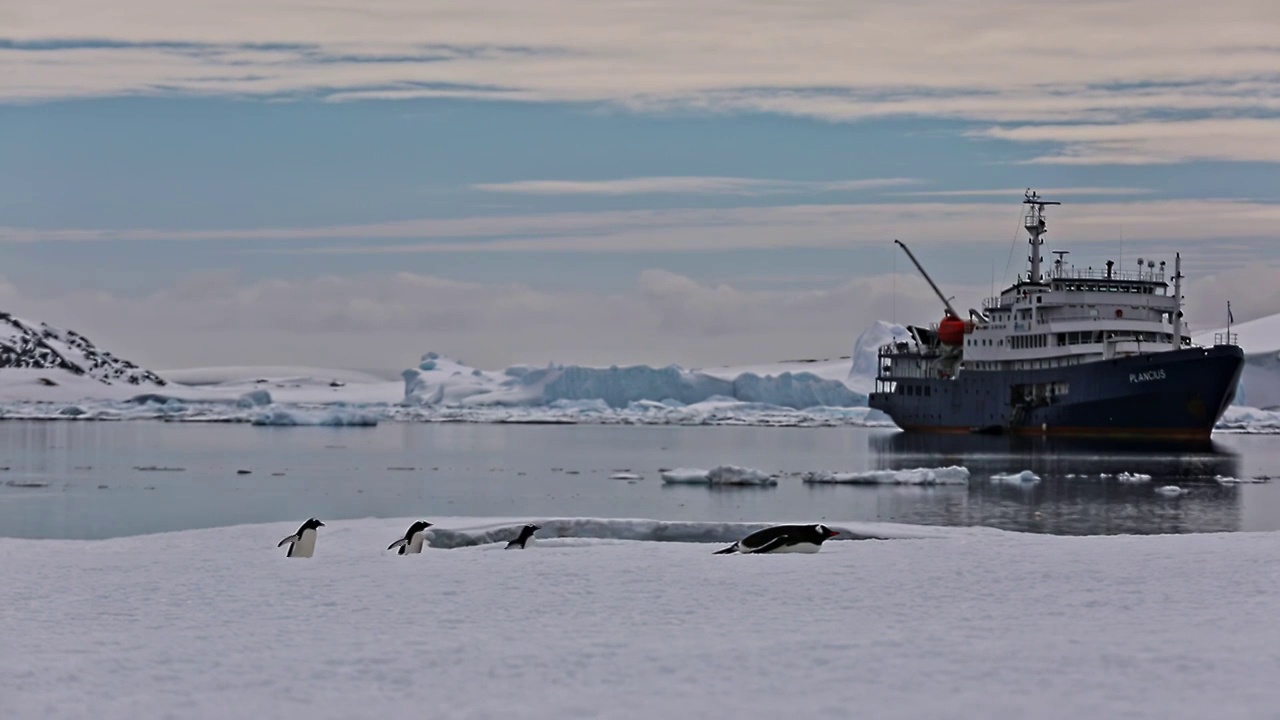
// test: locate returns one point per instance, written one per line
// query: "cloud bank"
(386, 322)
(1090, 79)
(1175, 224)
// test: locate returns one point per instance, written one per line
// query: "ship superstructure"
(1061, 350)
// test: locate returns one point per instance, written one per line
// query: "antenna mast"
(1035, 226)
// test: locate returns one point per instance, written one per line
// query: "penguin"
(526, 536)
(782, 539)
(303, 542)
(412, 540)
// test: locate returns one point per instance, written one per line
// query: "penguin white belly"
(305, 546)
(804, 547)
(415, 543)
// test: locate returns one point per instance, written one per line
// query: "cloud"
(999, 61)
(1145, 143)
(386, 321)
(687, 185)
(1176, 224)
(1014, 192)
(1251, 290)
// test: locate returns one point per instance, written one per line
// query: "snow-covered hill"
(28, 346)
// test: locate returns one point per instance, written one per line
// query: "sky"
(353, 184)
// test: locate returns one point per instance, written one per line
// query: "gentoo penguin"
(412, 540)
(303, 542)
(781, 539)
(526, 535)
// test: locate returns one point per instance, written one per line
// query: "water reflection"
(1078, 492)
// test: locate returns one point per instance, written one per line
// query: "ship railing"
(1044, 319)
(893, 350)
(1091, 274)
(1226, 338)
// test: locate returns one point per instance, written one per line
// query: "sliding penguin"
(526, 536)
(303, 542)
(782, 539)
(412, 540)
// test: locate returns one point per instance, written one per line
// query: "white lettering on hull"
(1147, 376)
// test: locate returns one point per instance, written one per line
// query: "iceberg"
(439, 381)
(330, 416)
(866, 353)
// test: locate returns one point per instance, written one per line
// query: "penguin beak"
(319, 523)
(835, 533)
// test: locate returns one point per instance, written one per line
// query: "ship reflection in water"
(1078, 492)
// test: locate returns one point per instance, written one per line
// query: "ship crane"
(951, 330)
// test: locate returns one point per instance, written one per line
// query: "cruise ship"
(1097, 352)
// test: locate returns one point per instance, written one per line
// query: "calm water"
(83, 480)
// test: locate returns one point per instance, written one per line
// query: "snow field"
(961, 623)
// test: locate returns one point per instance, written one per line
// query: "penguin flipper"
(397, 544)
(727, 551)
(770, 546)
(290, 539)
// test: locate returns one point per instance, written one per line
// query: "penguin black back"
(526, 534)
(303, 542)
(412, 540)
(782, 538)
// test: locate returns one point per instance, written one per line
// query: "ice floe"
(952, 475)
(1026, 476)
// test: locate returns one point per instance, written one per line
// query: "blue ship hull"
(1180, 394)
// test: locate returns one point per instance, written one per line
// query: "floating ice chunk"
(332, 416)
(692, 476)
(1238, 481)
(624, 476)
(720, 475)
(1026, 476)
(1171, 490)
(734, 475)
(1127, 477)
(951, 475)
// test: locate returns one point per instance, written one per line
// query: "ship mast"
(1177, 301)
(1034, 224)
